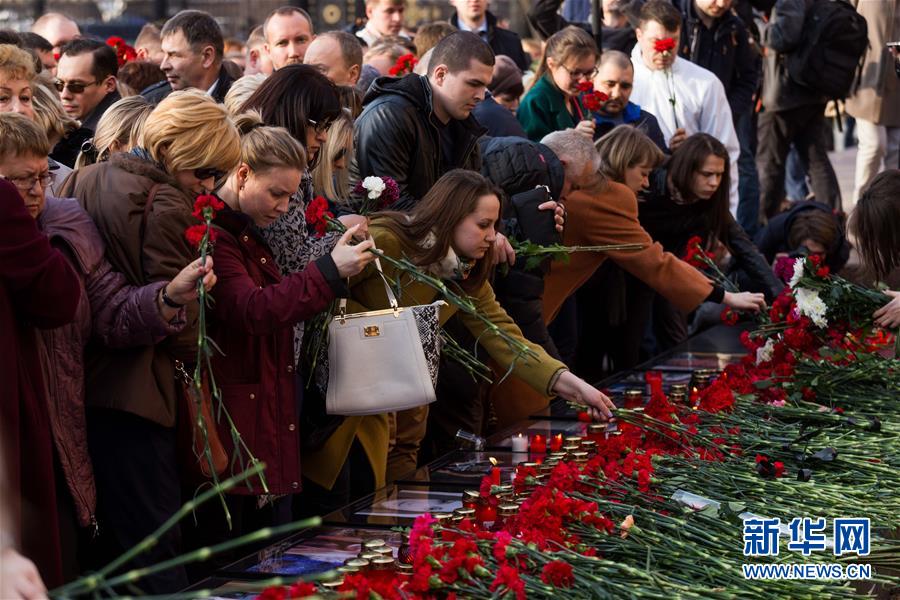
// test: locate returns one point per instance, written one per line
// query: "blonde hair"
(335, 185)
(16, 63)
(240, 90)
(49, 112)
(264, 148)
(21, 136)
(625, 147)
(567, 44)
(119, 129)
(188, 130)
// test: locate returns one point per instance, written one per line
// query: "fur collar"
(139, 166)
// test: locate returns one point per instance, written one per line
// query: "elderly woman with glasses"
(142, 203)
(552, 103)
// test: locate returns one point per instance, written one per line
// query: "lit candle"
(538, 443)
(556, 443)
(495, 475)
(695, 397)
(519, 443)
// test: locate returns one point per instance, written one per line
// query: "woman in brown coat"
(141, 203)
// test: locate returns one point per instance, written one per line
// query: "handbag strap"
(392, 299)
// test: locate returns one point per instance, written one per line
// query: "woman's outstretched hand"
(888, 316)
(575, 389)
(745, 301)
(348, 259)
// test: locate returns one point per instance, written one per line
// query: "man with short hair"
(288, 31)
(384, 18)
(685, 98)
(615, 78)
(257, 59)
(56, 28)
(40, 46)
(474, 16)
(194, 49)
(417, 128)
(338, 55)
(86, 80)
(148, 44)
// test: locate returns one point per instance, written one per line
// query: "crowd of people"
(679, 120)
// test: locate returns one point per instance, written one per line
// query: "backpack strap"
(151, 196)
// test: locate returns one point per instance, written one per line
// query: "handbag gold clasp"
(371, 331)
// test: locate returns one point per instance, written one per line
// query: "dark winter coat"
(253, 323)
(727, 50)
(38, 289)
(773, 238)
(783, 35)
(114, 313)
(518, 165)
(114, 193)
(496, 118)
(397, 135)
(502, 41)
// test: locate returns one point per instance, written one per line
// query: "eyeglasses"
(207, 172)
(25, 184)
(76, 87)
(319, 127)
(578, 74)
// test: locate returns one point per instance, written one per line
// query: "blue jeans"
(748, 177)
(795, 185)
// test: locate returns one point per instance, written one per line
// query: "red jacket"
(252, 321)
(38, 288)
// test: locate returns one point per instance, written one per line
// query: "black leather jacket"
(397, 136)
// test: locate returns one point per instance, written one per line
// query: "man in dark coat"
(417, 128)
(472, 15)
(715, 38)
(792, 113)
(38, 288)
(497, 112)
(194, 50)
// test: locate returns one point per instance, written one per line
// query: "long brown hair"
(450, 200)
(874, 223)
(687, 160)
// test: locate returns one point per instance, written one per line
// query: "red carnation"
(730, 316)
(194, 235)
(664, 45)
(301, 589)
(124, 52)
(508, 576)
(585, 87)
(202, 202)
(404, 65)
(317, 215)
(558, 574)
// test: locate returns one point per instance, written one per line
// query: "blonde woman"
(240, 90)
(331, 178)
(552, 103)
(119, 130)
(628, 156)
(16, 76)
(188, 143)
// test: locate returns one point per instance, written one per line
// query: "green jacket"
(367, 293)
(543, 110)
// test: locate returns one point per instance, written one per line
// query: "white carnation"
(798, 273)
(375, 185)
(764, 353)
(811, 305)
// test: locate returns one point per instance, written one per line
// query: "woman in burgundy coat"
(255, 312)
(37, 289)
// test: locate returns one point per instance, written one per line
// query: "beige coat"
(878, 97)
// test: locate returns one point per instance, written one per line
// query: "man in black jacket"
(417, 128)
(715, 38)
(473, 15)
(194, 49)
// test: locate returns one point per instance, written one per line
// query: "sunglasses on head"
(207, 172)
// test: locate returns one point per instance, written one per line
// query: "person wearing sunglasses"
(553, 103)
(141, 202)
(86, 80)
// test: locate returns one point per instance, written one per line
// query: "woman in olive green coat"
(552, 103)
(450, 234)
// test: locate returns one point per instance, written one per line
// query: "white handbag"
(382, 361)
